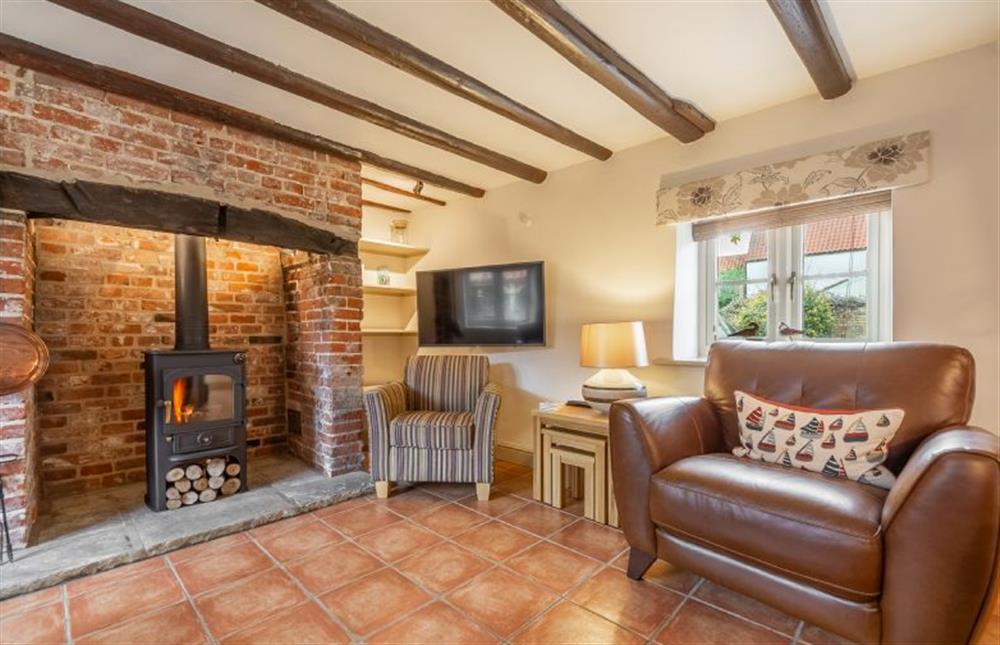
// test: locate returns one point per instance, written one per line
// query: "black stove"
(195, 400)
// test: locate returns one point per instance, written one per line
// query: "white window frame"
(786, 261)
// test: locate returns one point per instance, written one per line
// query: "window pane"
(741, 274)
(836, 308)
(835, 285)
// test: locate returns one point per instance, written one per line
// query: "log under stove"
(195, 400)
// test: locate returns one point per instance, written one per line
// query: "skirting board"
(516, 454)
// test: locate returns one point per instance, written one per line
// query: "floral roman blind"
(875, 166)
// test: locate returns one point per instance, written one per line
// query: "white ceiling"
(729, 57)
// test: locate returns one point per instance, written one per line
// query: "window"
(825, 273)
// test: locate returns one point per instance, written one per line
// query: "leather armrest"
(953, 441)
(941, 526)
(646, 436)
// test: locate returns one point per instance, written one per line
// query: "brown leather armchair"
(916, 564)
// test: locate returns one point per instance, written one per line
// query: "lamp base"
(610, 385)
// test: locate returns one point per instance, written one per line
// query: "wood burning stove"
(195, 412)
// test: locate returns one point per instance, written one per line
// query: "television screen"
(491, 305)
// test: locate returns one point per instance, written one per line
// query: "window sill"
(685, 362)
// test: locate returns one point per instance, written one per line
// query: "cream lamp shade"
(612, 347)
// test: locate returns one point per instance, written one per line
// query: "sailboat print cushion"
(850, 444)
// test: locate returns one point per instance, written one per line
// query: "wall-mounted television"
(490, 305)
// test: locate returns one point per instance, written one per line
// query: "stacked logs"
(201, 481)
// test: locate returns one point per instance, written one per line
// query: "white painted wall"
(605, 260)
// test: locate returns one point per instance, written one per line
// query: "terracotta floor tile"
(538, 519)
(662, 573)
(397, 541)
(495, 540)
(747, 607)
(362, 519)
(248, 602)
(125, 599)
(273, 529)
(208, 572)
(640, 606)
(553, 566)
(212, 547)
(346, 505)
(374, 601)
(699, 623)
(596, 540)
(436, 623)
(498, 504)
(572, 625)
(175, 624)
(108, 578)
(305, 624)
(444, 567)
(450, 520)
(410, 502)
(812, 635)
(333, 566)
(450, 492)
(45, 624)
(301, 540)
(18, 604)
(502, 601)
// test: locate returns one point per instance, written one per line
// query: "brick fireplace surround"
(99, 296)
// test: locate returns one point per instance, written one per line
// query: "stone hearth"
(97, 530)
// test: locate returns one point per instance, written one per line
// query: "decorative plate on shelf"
(23, 358)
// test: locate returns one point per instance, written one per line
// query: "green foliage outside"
(824, 315)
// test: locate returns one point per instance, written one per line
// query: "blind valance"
(793, 215)
(867, 168)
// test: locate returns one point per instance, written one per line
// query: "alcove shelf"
(385, 290)
(382, 247)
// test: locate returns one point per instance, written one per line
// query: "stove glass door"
(199, 398)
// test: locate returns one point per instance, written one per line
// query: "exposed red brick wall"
(104, 295)
(47, 123)
(323, 310)
(17, 418)
(54, 126)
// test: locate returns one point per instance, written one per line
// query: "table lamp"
(612, 347)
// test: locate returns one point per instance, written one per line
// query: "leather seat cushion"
(438, 430)
(819, 530)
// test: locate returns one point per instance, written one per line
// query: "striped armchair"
(436, 425)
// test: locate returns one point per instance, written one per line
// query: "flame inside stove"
(182, 409)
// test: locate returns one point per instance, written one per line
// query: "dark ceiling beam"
(385, 207)
(402, 191)
(156, 210)
(561, 31)
(809, 34)
(25, 54)
(328, 18)
(152, 27)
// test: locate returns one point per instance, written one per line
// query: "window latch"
(774, 283)
(791, 285)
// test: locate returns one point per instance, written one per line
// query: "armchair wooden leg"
(638, 563)
(482, 492)
(382, 490)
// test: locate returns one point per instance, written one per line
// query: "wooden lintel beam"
(561, 31)
(165, 32)
(385, 207)
(25, 54)
(155, 210)
(328, 18)
(389, 188)
(809, 34)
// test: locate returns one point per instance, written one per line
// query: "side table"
(582, 429)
